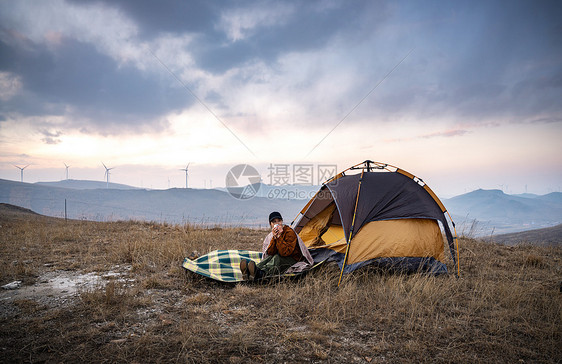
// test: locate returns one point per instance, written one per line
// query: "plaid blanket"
(221, 265)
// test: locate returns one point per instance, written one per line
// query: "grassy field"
(505, 307)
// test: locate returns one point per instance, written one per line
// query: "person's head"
(275, 218)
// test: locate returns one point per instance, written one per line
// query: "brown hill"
(545, 236)
(12, 212)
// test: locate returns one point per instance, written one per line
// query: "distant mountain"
(173, 205)
(526, 195)
(496, 212)
(85, 185)
(553, 197)
(479, 213)
(544, 236)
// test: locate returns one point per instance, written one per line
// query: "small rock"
(194, 255)
(13, 285)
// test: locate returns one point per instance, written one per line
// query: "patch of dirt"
(59, 288)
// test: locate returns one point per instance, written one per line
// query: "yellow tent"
(382, 215)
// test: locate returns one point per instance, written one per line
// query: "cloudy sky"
(464, 94)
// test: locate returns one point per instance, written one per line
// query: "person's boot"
(244, 269)
(253, 270)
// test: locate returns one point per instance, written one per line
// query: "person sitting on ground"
(282, 249)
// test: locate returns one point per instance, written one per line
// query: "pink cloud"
(54, 38)
(447, 133)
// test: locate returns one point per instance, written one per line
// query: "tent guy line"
(360, 101)
(200, 101)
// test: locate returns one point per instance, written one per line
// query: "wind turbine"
(185, 169)
(107, 173)
(67, 167)
(21, 170)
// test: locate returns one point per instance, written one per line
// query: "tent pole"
(457, 246)
(352, 225)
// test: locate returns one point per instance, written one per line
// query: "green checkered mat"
(221, 265)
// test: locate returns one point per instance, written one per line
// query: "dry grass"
(506, 307)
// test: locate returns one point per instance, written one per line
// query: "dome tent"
(382, 215)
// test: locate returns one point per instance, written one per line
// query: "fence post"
(65, 219)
